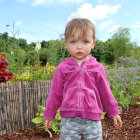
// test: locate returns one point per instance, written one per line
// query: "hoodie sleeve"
(109, 103)
(55, 95)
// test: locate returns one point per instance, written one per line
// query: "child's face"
(79, 47)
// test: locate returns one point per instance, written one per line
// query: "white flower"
(38, 46)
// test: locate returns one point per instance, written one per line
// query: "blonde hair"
(84, 26)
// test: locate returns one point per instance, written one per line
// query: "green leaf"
(103, 115)
(138, 103)
(42, 108)
(56, 126)
(37, 120)
(136, 94)
(41, 114)
(37, 114)
(126, 101)
(50, 133)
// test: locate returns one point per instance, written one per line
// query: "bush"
(4, 75)
(39, 121)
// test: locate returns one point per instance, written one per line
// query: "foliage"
(128, 61)
(43, 56)
(121, 43)
(125, 80)
(33, 73)
(22, 43)
(16, 58)
(2, 46)
(39, 121)
(99, 50)
(32, 57)
(4, 75)
(55, 51)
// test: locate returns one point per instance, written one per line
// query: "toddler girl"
(80, 88)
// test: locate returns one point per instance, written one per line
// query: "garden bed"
(129, 131)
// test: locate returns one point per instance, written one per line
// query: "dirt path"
(129, 131)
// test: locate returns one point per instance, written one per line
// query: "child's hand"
(48, 124)
(117, 121)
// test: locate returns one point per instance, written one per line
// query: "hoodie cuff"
(49, 115)
(113, 112)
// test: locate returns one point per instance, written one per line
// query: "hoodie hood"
(70, 64)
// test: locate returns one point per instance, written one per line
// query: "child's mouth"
(79, 53)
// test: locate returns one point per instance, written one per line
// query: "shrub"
(39, 121)
(4, 75)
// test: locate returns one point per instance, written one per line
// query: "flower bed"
(33, 73)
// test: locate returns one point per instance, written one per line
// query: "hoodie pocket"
(71, 98)
(87, 98)
(80, 97)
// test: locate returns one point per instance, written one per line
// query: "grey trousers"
(74, 128)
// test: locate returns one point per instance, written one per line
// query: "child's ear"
(65, 43)
(94, 42)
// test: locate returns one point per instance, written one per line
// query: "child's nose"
(79, 45)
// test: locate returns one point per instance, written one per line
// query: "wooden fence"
(19, 101)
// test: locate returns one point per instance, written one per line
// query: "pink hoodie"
(80, 91)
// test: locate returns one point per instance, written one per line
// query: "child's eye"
(85, 41)
(73, 42)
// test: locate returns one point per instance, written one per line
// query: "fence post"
(21, 105)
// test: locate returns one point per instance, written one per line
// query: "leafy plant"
(4, 75)
(39, 121)
(33, 73)
(119, 93)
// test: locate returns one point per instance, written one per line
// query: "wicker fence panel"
(19, 101)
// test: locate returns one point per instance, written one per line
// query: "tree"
(100, 50)
(32, 57)
(5, 36)
(43, 56)
(16, 58)
(121, 42)
(22, 43)
(55, 51)
(2, 46)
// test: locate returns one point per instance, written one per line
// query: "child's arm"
(55, 95)
(109, 103)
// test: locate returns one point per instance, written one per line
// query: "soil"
(129, 131)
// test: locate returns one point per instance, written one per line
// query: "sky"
(38, 20)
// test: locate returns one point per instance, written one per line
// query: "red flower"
(4, 75)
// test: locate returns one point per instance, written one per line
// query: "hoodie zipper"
(80, 85)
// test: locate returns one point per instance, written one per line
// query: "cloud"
(105, 24)
(41, 2)
(99, 12)
(101, 1)
(115, 28)
(135, 26)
